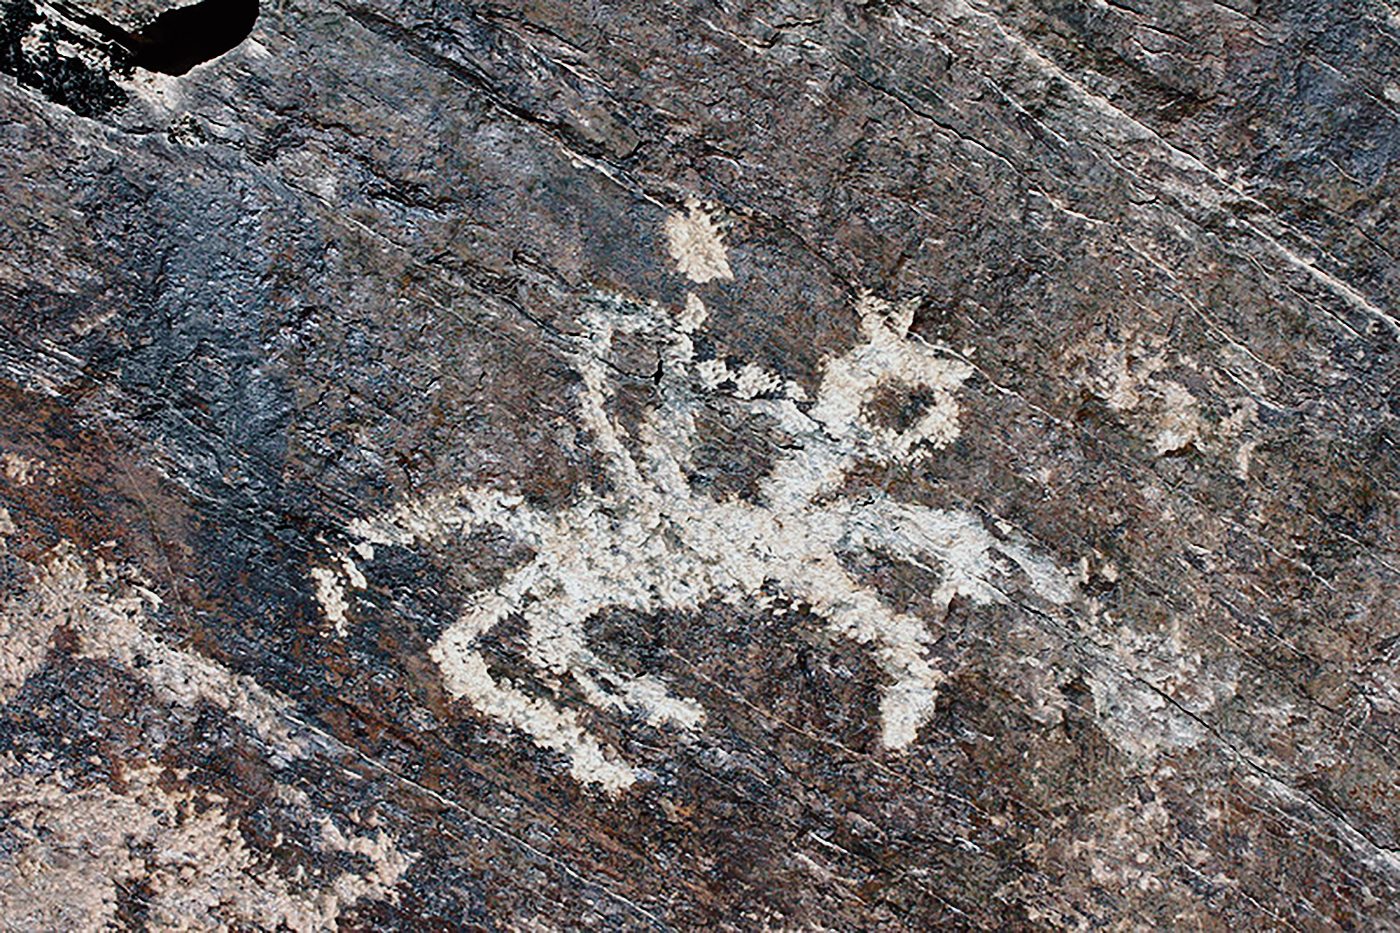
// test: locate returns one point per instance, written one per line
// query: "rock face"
(775, 466)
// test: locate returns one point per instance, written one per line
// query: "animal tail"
(96, 23)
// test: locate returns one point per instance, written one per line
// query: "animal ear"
(902, 317)
(873, 311)
(694, 314)
(879, 316)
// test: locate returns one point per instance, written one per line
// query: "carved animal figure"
(652, 543)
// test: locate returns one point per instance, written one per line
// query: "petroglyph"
(27, 620)
(21, 470)
(75, 851)
(1180, 423)
(652, 543)
(106, 610)
(697, 245)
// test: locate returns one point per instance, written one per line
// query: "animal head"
(889, 359)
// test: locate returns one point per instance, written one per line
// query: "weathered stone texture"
(776, 465)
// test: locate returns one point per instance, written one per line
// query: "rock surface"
(770, 465)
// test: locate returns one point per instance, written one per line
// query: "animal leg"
(466, 676)
(557, 643)
(900, 642)
(965, 550)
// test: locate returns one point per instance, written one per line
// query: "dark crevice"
(178, 39)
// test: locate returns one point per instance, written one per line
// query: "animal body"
(651, 543)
